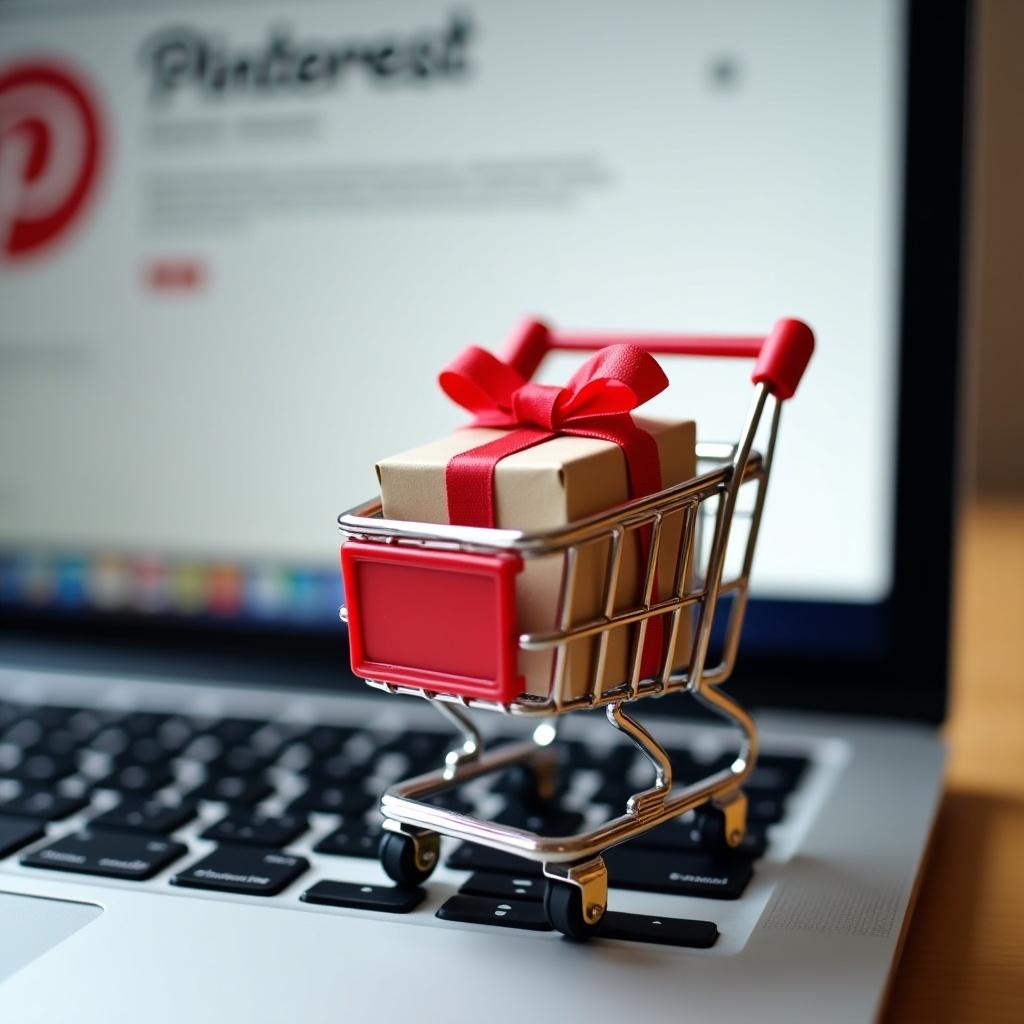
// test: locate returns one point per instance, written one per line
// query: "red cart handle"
(781, 357)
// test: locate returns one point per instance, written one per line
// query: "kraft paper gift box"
(544, 487)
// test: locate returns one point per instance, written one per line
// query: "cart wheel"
(563, 905)
(409, 860)
(722, 832)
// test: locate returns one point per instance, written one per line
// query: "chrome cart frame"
(708, 506)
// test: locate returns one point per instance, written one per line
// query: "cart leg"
(713, 698)
(653, 751)
(472, 743)
(544, 763)
(725, 818)
(576, 897)
(407, 854)
(538, 775)
(725, 822)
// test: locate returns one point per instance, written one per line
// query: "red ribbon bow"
(596, 402)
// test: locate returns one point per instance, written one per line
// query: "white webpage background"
(237, 420)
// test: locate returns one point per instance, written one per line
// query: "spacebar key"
(678, 874)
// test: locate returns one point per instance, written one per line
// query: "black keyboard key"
(174, 733)
(49, 716)
(425, 750)
(503, 913)
(137, 778)
(270, 738)
(353, 839)
(24, 733)
(468, 857)
(336, 770)
(254, 829)
(18, 832)
(85, 723)
(146, 751)
(232, 731)
(112, 740)
(767, 780)
(630, 868)
(139, 814)
(356, 896)
(44, 804)
(505, 887)
(678, 874)
(239, 761)
(518, 782)
(123, 855)
(545, 821)
(350, 799)
(239, 869)
(295, 758)
(38, 768)
(10, 713)
(765, 809)
(662, 931)
(781, 772)
(59, 743)
(143, 723)
(326, 740)
(233, 789)
(204, 749)
(581, 756)
(686, 836)
(685, 767)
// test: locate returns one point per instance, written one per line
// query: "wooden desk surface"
(964, 954)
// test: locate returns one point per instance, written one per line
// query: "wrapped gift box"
(549, 485)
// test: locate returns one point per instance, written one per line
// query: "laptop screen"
(237, 243)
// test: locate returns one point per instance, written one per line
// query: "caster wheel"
(563, 905)
(718, 834)
(409, 860)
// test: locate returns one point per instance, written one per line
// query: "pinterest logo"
(50, 144)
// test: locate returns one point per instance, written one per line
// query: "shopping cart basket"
(431, 612)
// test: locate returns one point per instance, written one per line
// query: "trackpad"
(31, 925)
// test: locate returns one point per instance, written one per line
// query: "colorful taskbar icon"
(160, 586)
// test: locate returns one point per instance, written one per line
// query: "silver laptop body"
(273, 217)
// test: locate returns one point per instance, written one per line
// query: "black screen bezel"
(903, 676)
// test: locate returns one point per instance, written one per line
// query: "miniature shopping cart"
(431, 612)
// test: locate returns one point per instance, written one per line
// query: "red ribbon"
(596, 402)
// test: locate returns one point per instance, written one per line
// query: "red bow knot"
(611, 383)
(596, 402)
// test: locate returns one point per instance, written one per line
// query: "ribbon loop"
(612, 382)
(483, 385)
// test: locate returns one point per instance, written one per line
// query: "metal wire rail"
(707, 507)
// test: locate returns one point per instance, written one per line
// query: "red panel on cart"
(444, 621)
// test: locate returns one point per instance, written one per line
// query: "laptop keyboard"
(138, 778)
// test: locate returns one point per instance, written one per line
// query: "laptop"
(237, 243)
